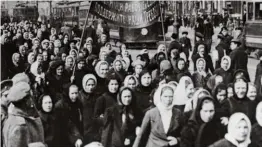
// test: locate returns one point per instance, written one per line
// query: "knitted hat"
(18, 92)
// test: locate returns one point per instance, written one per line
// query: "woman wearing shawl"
(256, 134)
(101, 69)
(118, 68)
(160, 55)
(69, 111)
(238, 132)
(16, 67)
(121, 120)
(225, 71)
(162, 124)
(131, 82)
(144, 90)
(73, 53)
(184, 92)
(181, 69)
(202, 129)
(200, 77)
(48, 118)
(88, 99)
(80, 71)
(213, 81)
(159, 73)
(239, 102)
(56, 80)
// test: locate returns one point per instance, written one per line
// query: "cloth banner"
(128, 14)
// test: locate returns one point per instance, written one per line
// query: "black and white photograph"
(134, 73)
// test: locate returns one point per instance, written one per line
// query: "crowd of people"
(57, 92)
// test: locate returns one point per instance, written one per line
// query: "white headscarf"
(165, 112)
(31, 54)
(180, 93)
(88, 77)
(199, 60)
(159, 48)
(229, 61)
(233, 121)
(192, 103)
(128, 78)
(258, 113)
(97, 68)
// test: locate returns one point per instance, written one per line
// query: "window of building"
(258, 11)
(250, 11)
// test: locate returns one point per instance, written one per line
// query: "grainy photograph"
(136, 73)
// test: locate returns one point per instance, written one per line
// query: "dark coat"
(258, 72)
(198, 133)
(199, 80)
(239, 59)
(13, 70)
(196, 46)
(223, 143)
(242, 105)
(79, 74)
(114, 133)
(50, 126)
(143, 97)
(103, 102)
(89, 123)
(186, 45)
(227, 75)
(208, 31)
(20, 129)
(152, 131)
(256, 135)
(70, 114)
(221, 48)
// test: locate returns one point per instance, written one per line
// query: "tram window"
(250, 11)
(258, 11)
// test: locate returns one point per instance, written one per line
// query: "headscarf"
(192, 103)
(97, 68)
(180, 93)
(229, 62)
(159, 47)
(233, 121)
(34, 68)
(220, 86)
(30, 55)
(88, 77)
(126, 63)
(128, 78)
(138, 62)
(211, 83)
(70, 56)
(121, 61)
(258, 113)
(165, 112)
(165, 65)
(13, 59)
(72, 50)
(199, 60)
(234, 91)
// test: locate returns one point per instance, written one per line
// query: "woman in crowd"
(200, 77)
(213, 81)
(48, 118)
(101, 69)
(80, 72)
(69, 112)
(118, 68)
(181, 69)
(88, 98)
(256, 133)
(183, 92)
(238, 132)
(144, 90)
(225, 71)
(138, 67)
(131, 82)
(121, 120)
(202, 129)
(69, 64)
(162, 124)
(16, 67)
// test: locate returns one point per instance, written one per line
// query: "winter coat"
(152, 131)
(258, 72)
(114, 133)
(50, 126)
(222, 49)
(239, 59)
(199, 80)
(103, 102)
(208, 31)
(90, 125)
(70, 114)
(256, 135)
(223, 143)
(227, 75)
(20, 129)
(13, 70)
(143, 97)
(242, 105)
(198, 133)
(186, 45)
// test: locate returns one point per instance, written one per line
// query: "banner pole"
(162, 24)
(81, 40)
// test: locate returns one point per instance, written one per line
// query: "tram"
(253, 28)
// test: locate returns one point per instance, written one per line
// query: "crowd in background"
(56, 92)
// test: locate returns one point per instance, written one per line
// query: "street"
(252, 62)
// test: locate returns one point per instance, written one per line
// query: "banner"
(128, 14)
